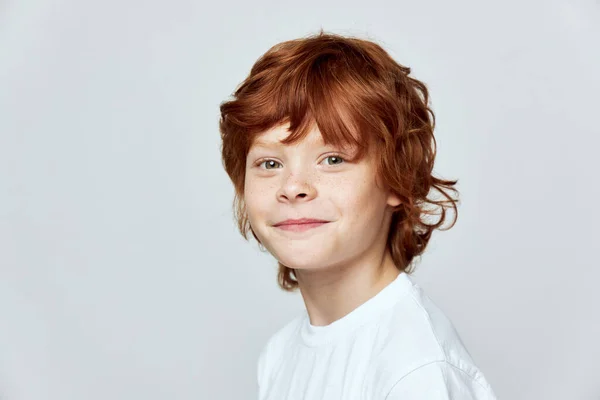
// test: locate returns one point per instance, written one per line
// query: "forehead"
(314, 138)
(274, 136)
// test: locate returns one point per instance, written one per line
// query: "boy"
(329, 144)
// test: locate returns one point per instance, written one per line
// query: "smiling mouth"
(301, 227)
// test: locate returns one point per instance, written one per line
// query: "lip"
(300, 221)
(300, 225)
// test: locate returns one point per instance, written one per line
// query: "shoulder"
(441, 380)
(420, 343)
(273, 349)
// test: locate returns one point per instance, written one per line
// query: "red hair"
(357, 95)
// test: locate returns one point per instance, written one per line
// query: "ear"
(393, 200)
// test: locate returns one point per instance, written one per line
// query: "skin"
(343, 263)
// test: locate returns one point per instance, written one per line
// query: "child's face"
(308, 180)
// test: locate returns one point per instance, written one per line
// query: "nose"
(296, 187)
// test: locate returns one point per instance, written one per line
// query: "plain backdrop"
(122, 274)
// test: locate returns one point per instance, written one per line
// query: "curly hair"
(356, 94)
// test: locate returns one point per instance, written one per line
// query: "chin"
(300, 262)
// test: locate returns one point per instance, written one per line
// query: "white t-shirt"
(396, 345)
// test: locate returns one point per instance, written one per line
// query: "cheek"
(358, 199)
(249, 196)
(348, 189)
(255, 198)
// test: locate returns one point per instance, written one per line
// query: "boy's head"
(332, 128)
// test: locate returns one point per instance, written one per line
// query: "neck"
(332, 293)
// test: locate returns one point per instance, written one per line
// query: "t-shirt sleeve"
(440, 380)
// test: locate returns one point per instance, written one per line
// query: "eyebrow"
(259, 143)
(268, 144)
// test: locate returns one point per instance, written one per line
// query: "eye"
(268, 163)
(336, 159)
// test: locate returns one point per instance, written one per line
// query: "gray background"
(122, 275)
